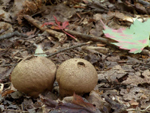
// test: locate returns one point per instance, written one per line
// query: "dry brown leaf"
(79, 107)
(95, 99)
(79, 101)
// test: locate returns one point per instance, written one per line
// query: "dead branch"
(72, 47)
(87, 37)
(9, 35)
(38, 24)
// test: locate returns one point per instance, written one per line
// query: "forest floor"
(123, 77)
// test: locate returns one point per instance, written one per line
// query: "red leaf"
(56, 21)
(65, 24)
(59, 27)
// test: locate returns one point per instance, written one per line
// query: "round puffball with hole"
(76, 75)
(34, 75)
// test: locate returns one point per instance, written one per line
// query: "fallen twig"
(72, 47)
(118, 107)
(88, 37)
(9, 35)
(144, 110)
(60, 26)
(62, 36)
(143, 2)
(100, 39)
(36, 23)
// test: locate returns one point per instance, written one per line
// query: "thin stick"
(72, 47)
(88, 37)
(144, 110)
(38, 24)
(9, 35)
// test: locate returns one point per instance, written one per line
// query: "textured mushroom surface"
(34, 75)
(76, 75)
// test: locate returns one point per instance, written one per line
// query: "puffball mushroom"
(76, 75)
(34, 75)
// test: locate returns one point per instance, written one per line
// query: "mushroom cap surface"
(76, 75)
(34, 75)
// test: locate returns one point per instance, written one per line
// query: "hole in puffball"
(81, 64)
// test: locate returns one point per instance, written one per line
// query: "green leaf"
(135, 38)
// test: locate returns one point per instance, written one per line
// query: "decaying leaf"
(79, 101)
(137, 78)
(39, 51)
(97, 100)
(77, 106)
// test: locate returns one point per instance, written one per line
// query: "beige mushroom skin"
(34, 75)
(76, 75)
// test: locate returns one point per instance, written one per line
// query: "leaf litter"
(123, 78)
